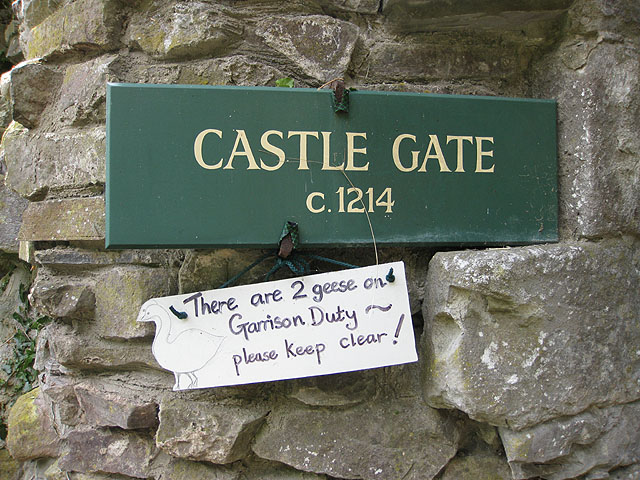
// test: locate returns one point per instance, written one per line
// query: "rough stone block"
(33, 86)
(120, 291)
(452, 56)
(12, 207)
(78, 26)
(109, 451)
(82, 97)
(85, 351)
(258, 469)
(407, 440)
(518, 336)
(596, 83)
(591, 443)
(63, 297)
(39, 162)
(217, 433)
(116, 405)
(426, 15)
(30, 432)
(368, 7)
(477, 466)
(64, 219)
(208, 270)
(631, 472)
(183, 30)
(77, 257)
(320, 46)
(230, 70)
(5, 101)
(63, 400)
(32, 12)
(180, 469)
(351, 388)
(8, 466)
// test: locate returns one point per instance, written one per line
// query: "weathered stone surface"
(120, 292)
(257, 469)
(78, 350)
(179, 469)
(63, 297)
(591, 443)
(8, 466)
(109, 451)
(82, 97)
(319, 46)
(112, 405)
(208, 270)
(12, 206)
(64, 219)
(32, 12)
(477, 467)
(79, 26)
(5, 101)
(63, 400)
(626, 473)
(460, 56)
(596, 83)
(425, 15)
(231, 70)
(359, 6)
(66, 256)
(30, 432)
(183, 30)
(95, 476)
(342, 389)
(218, 433)
(407, 440)
(518, 336)
(33, 85)
(39, 162)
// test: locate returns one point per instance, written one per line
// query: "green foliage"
(20, 371)
(284, 82)
(21, 376)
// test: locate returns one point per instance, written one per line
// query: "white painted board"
(301, 327)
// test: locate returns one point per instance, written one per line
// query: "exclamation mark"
(398, 329)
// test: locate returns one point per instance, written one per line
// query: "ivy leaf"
(284, 82)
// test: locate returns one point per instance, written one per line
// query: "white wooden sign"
(301, 327)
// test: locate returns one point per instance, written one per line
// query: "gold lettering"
(241, 137)
(481, 153)
(326, 153)
(460, 141)
(303, 147)
(435, 144)
(278, 152)
(197, 148)
(396, 153)
(310, 198)
(351, 150)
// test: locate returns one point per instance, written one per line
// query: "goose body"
(184, 353)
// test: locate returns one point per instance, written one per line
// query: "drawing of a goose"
(184, 353)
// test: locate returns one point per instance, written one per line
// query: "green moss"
(45, 40)
(24, 419)
(8, 466)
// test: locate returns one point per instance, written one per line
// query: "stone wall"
(529, 356)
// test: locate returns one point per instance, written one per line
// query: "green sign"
(199, 166)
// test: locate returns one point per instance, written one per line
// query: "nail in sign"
(301, 327)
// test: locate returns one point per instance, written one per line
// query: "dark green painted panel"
(158, 195)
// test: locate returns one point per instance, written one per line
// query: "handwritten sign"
(306, 326)
(193, 166)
